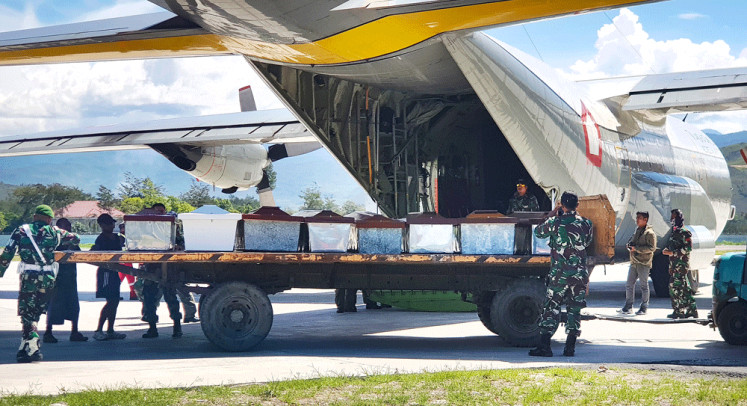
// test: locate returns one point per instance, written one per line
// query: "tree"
(245, 204)
(130, 187)
(55, 195)
(3, 222)
(106, 198)
(198, 194)
(272, 176)
(149, 190)
(313, 200)
(132, 205)
(350, 206)
(178, 206)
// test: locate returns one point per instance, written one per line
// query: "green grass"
(741, 243)
(725, 251)
(513, 386)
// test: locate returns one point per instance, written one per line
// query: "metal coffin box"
(429, 233)
(209, 228)
(271, 229)
(540, 246)
(487, 233)
(378, 234)
(150, 232)
(328, 231)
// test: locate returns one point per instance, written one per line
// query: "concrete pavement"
(309, 339)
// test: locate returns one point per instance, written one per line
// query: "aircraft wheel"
(236, 316)
(483, 309)
(732, 323)
(515, 311)
(660, 275)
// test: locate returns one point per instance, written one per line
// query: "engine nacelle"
(230, 167)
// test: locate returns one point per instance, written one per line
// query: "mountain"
(723, 140)
(6, 190)
(88, 170)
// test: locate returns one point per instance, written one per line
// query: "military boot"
(152, 331)
(177, 329)
(22, 357)
(570, 345)
(543, 348)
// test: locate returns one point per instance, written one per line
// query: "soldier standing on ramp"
(522, 201)
(678, 249)
(569, 235)
(35, 243)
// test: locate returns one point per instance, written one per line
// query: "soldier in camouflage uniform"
(521, 201)
(678, 249)
(569, 235)
(37, 274)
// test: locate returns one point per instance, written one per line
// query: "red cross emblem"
(593, 137)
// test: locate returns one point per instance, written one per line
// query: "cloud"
(625, 48)
(12, 19)
(121, 8)
(691, 16)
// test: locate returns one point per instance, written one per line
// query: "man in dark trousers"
(569, 234)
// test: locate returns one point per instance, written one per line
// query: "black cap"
(569, 199)
(643, 214)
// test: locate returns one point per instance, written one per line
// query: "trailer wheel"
(236, 316)
(484, 301)
(515, 311)
(732, 323)
(660, 275)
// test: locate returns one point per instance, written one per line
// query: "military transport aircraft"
(423, 109)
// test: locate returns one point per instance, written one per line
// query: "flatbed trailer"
(236, 314)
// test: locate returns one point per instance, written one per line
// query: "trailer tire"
(485, 299)
(732, 323)
(236, 316)
(660, 275)
(515, 311)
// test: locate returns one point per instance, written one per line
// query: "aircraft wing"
(259, 127)
(697, 91)
(155, 35)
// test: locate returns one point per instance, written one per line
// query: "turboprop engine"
(229, 167)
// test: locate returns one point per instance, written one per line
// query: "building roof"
(86, 209)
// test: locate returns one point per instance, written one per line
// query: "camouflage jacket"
(47, 238)
(569, 236)
(680, 243)
(522, 203)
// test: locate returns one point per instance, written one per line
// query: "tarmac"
(309, 339)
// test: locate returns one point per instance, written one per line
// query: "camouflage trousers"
(152, 293)
(567, 287)
(683, 302)
(33, 297)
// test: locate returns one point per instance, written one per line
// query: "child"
(107, 281)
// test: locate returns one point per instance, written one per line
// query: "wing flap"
(710, 90)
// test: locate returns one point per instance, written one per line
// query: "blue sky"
(659, 37)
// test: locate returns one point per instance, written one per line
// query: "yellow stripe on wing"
(371, 40)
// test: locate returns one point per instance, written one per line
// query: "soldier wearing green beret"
(35, 243)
